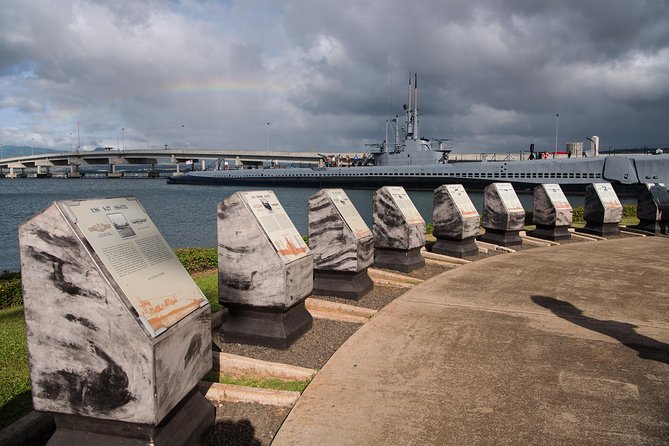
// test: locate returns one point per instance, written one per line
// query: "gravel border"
(242, 424)
(312, 350)
(379, 297)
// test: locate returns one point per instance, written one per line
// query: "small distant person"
(568, 152)
(585, 153)
(226, 166)
(355, 159)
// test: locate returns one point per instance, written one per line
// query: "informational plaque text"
(349, 213)
(139, 259)
(405, 205)
(556, 196)
(509, 198)
(607, 195)
(462, 201)
(276, 224)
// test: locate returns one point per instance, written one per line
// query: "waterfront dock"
(564, 345)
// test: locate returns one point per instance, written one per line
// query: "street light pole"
(123, 139)
(557, 117)
(268, 127)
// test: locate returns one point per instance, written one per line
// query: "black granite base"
(600, 229)
(347, 285)
(455, 248)
(267, 327)
(501, 238)
(398, 259)
(653, 227)
(186, 424)
(553, 233)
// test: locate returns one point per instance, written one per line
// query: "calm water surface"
(186, 215)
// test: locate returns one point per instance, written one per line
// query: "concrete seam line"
(217, 392)
(319, 304)
(241, 365)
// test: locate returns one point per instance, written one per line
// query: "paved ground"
(553, 346)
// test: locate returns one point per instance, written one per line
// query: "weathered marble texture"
(333, 244)
(250, 271)
(546, 213)
(596, 211)
(390, 228)
(448, 221)
(653, 203)
(495, 214)
(88, 352)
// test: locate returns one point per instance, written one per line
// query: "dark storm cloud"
(492, 74)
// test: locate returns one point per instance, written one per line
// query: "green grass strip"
(15, 399)
(262, 383)
(208, 283)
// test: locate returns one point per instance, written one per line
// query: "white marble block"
(454, 215)
(503, 215)
(116, 328)
(552, 213)
(602, 210)
(653, 208)
(399, 230)
(342, 245)
(397, 222)
(265, 271)
(338, 237)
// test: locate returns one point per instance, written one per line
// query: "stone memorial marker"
(399, 231)
(552, 213)
(265, 271)
(118, 333)
(503, 215)
(342, 246)
(456, 222)
(653, 209)
(602, 210)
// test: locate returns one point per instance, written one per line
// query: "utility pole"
(268, 127)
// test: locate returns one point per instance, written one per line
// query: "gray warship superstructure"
(415, 162)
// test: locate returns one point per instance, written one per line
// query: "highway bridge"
(41, 164)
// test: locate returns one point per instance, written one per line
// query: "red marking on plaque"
(291, 249)
(155, 312)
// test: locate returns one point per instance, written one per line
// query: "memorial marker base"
(601, 229)
(267, 327)
(553, 233)
(652, 226)
(347, 285)
(456, 248)
(501, 238)
(402, 260)
(186, 424)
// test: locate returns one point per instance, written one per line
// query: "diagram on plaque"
(607, 195)
(462, 200)
(141, 262)
(405, 205)
(349, 213)
(556, 196)
(276, 224)
(509, 197)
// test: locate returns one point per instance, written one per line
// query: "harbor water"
(186, 215)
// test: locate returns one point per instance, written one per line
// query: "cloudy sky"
(326, 74)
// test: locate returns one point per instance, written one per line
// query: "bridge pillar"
(74, 171)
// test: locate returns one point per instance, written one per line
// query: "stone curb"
(442, 258)
(217, 319)
(494, 247)
(386, 282)
(326, 305)
(587, 237)
(525, 237)
(634, 234)
(235, 365)
(24, 430)
(334, 316)
(217, 393)
(394, 277)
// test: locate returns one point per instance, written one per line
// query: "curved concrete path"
(550, 346)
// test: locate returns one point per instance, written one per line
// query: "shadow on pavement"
(238, 433)
(647, 348)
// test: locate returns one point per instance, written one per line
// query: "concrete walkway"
(549, 346)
